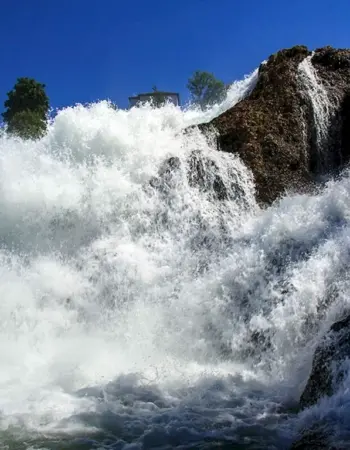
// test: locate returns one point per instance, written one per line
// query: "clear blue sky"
(85, 50)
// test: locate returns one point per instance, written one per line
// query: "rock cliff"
(294, 125)
(328, 368)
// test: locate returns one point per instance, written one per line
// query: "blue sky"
(86, 50)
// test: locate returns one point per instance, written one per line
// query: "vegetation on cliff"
(27, 108)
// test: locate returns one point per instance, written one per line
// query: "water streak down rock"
(276, 129)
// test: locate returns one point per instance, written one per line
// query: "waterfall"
(146, 300)
(323, 110)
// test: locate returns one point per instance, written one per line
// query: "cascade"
(146, 299)
(322, 110)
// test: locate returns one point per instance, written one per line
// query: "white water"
(127, 312)
(322, 109)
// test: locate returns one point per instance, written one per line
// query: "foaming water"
(319, 99)
(146, 300)
(322, 109)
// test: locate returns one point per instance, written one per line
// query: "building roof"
(149, 94)
(154, 93)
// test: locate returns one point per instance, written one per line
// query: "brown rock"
(273, 130)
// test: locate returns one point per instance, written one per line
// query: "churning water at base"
(146, 301)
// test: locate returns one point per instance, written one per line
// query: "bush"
(205, 89)
(27, 125)
(27, 109)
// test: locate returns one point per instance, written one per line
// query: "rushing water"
(318, 95)
(323, 110)
(141, 314)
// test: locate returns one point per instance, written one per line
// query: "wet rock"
(204, 174)
(273, 129)
(260, 340)
(326, 373)
(165, 179)
(169, 166)
(314, 439)
(332, 58)
(333, 69)
(344, 113)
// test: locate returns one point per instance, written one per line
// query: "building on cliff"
(156, 97)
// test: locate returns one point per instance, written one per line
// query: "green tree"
(27, 125)
(27, 108)
(205, 89)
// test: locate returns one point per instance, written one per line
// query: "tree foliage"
(205, 89)
(27, 125)
(27, 107)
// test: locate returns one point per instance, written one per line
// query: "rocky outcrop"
(165, 179)
(314, 439)
(333, 70)
(327, 371)
(204, 173)
(274, 130)
(201, 173)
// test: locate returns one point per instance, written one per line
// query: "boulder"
(326, 373)
(165, 179)
(314, 439)
(202, 173)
